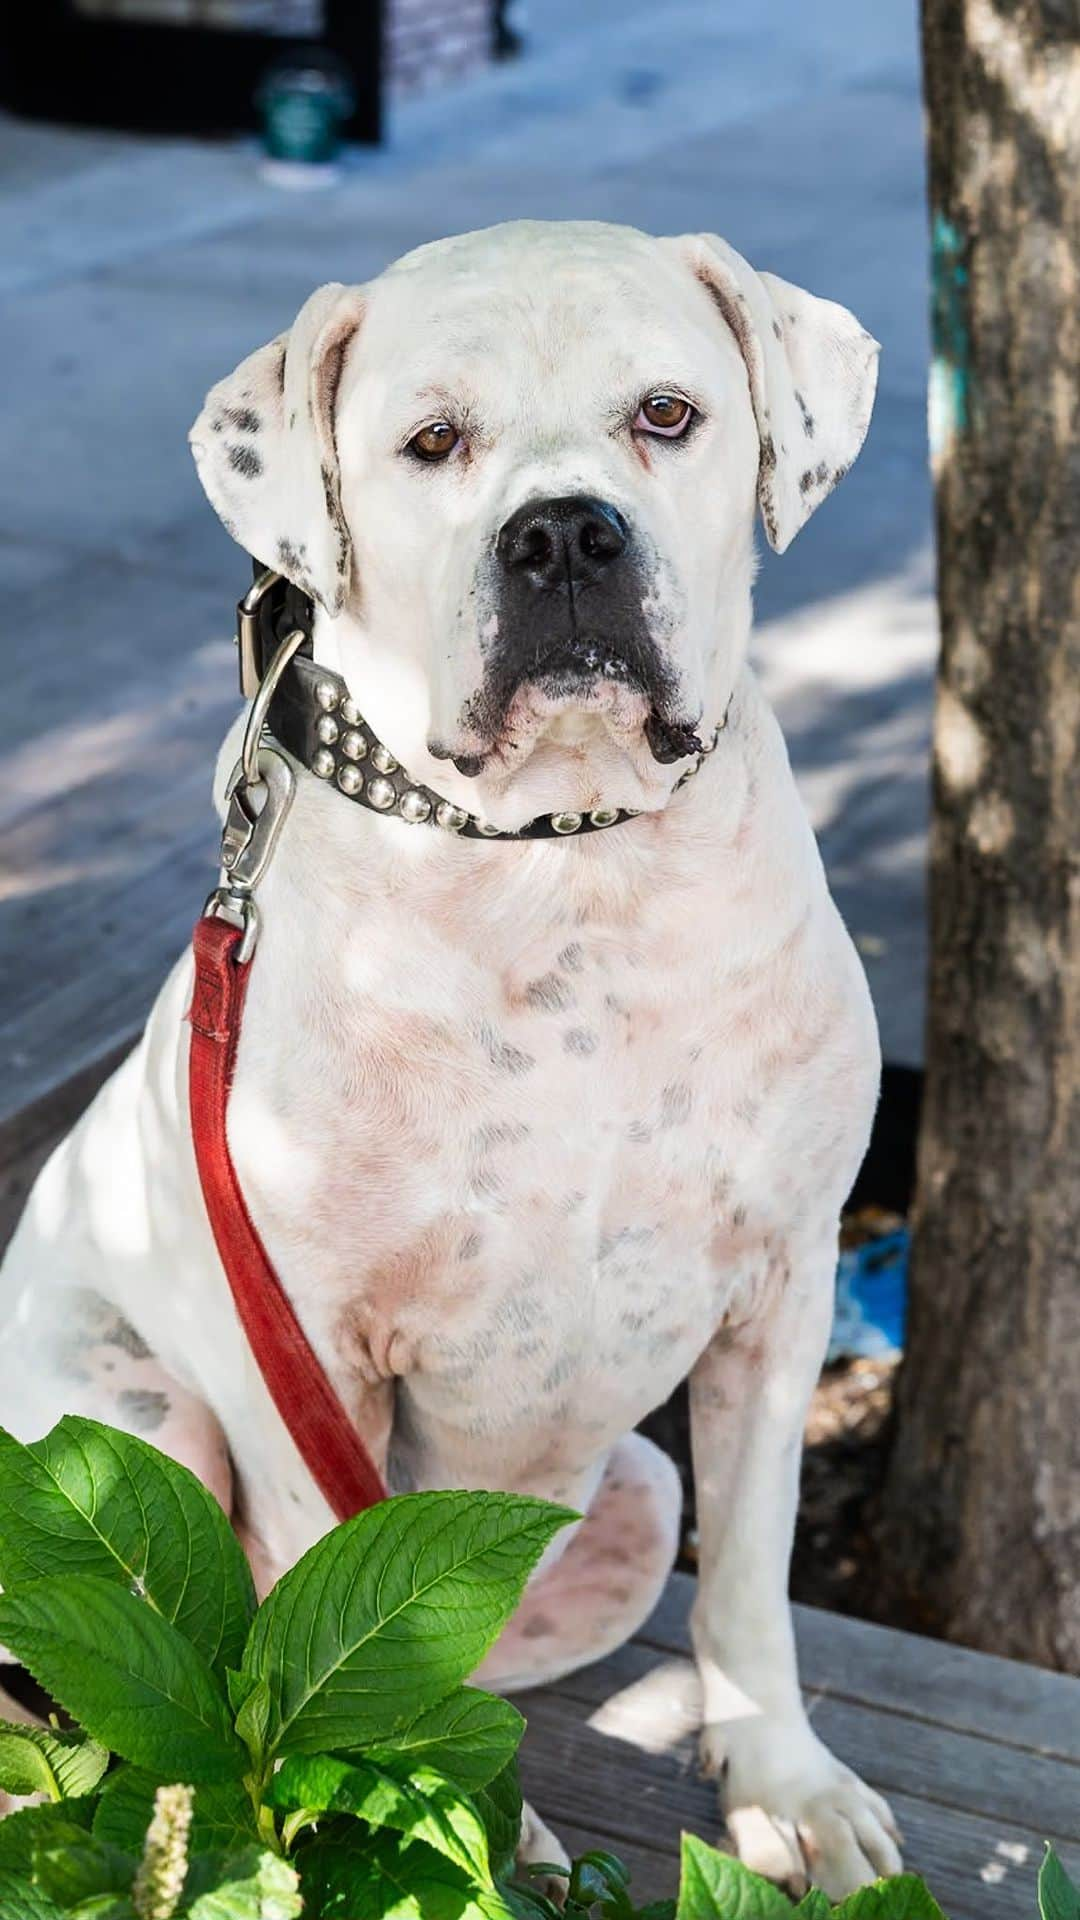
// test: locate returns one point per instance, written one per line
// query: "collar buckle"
(271, 608)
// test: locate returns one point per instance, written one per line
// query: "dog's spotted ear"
(265, 448)
(812, 371)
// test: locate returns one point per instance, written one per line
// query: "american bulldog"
(531, 1127)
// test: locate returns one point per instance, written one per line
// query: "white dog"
(531, 1128)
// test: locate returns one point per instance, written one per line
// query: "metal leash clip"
(258, 797)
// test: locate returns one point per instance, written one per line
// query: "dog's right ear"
(265, 448)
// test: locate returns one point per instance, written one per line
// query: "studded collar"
(316, 720)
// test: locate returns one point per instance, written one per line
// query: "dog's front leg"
(793, 1811)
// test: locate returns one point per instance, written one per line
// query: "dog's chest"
(495, 1157)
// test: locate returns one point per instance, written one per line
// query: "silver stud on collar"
(566, 822)
(353, 744)
(327, 695)
(350, 712)
(327, 729)
(382, 758)
(350, 779)
(451, 817)
(322, 763)
(604, 816)
(414, 807)
(380, 792)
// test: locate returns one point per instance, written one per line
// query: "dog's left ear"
(812, 371)
(266, 452)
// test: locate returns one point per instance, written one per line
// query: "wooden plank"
(28, 1138)
(643, 1695)
(77, 1016)
(117, 704)
(978, 1868)
(952, 1686)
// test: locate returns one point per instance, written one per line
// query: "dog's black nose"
(552, 543)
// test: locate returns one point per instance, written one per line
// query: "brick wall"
(428, 42)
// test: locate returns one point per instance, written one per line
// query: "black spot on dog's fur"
(244, 419)
(245, 461)
(143, 1408)
(122, 1334)
(807, 416)
(292, 557)
(551, 994)
(813, 477)
(502, 1055)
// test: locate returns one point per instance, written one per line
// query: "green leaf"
(526, 1903)
(715, 1886)
(42, 1760)
(89, 1499)
(51, 1825)
(255, 1886)
(21, 1901)
(125, 1674)
(239, 1687)
(470, 1736)
(389, 1613)
(357, 1874)
(600, 1879)
(424, 1805)
(74, 1873)
(104, 1906)
(499, 1806)
(814, 1905)
(222, 1820)
(1059, 1899)
(252, 1721)
(905, 1897)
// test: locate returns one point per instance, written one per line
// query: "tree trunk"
(979, 1520)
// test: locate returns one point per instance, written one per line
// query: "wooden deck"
(980, 1757)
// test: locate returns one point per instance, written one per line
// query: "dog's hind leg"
(606, 1582)
(74, 1352)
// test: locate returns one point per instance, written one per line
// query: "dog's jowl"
(534, 1118)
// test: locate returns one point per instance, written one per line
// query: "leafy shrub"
(318, 1755)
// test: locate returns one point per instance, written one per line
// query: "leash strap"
(326, 1438)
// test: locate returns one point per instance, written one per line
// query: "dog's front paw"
(795, 1813)
(538, 1845)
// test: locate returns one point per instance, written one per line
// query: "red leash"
(333, 1451)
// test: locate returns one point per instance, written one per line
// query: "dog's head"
(517, 473)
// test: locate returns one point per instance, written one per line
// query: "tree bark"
(978, 1527)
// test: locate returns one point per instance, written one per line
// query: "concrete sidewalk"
(134, 273)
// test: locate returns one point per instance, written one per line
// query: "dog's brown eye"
(434, 442)
(664, 413)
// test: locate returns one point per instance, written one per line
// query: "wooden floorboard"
(118, 699)
(900, 1754)
(611, 1754)
(951, 1686)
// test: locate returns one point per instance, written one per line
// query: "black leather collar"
(313, 716)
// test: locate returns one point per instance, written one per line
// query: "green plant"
(329, 1756)
(714, 1886)
(318, 1755)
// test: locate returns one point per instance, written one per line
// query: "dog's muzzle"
(568, 586)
